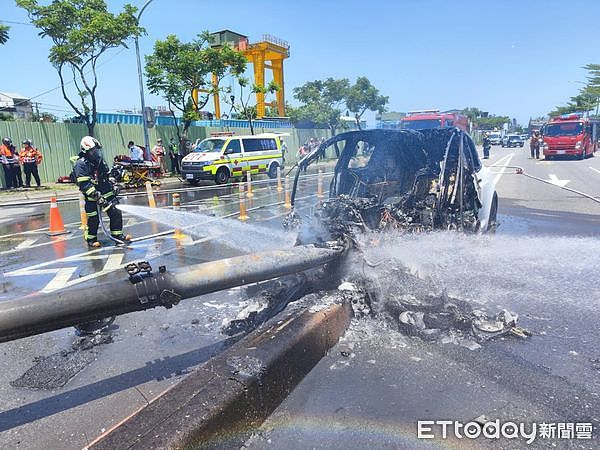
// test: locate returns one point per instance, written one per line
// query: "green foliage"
(322, 101)
(81, 32)
(482, 120)
(363, 96)
(588, 98)
(43, 117)
(6, 117)
(582, 102)
(492, 122)
(176, 68)
(4, 33)
(243, 108)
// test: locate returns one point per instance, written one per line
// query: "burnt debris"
(403, 180)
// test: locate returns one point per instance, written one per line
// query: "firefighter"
(486, 146)
(10, 163)
(30, 157)
(534, 145)
(91, 174)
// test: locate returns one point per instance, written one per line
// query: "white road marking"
(508, 158)
(26, 243)
(556, 181)
(594, 169)
(60, 279)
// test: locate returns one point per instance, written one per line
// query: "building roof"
(14, 95)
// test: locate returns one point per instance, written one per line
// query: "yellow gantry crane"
(269, 53)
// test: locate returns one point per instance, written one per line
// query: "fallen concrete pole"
(220, 403)
(38, 314)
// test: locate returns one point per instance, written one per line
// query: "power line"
(71, 81)
(17, 23)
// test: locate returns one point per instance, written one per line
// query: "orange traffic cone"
(56, 223)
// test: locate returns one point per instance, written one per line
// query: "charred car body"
(423, 180)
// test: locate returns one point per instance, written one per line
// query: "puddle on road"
(243, 236)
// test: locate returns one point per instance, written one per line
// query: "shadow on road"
(160, 369)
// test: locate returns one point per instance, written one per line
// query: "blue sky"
(515, 58)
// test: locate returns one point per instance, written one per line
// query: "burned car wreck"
(398, 182)
(423, 180)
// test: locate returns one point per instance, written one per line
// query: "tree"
(176, 69)
(44, 117)
(363, 97)
(582, 102)
(6, 117)
(3, 33)
(243, 108)
(492, 122)
(322, 101)
(483, 120)
(82, 31)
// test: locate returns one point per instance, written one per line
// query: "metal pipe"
(38, 314)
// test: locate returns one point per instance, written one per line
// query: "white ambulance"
(220, 157)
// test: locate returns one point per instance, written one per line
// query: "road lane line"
(60, 279)
(503, 168)
(26, 243)
(594, 169)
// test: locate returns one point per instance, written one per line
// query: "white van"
(220, 158)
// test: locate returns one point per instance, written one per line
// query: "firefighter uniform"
(30, 157)
(10, 163)
(92, 178)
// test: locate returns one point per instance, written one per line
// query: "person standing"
(30, 157)
(9, 161)
(159, 153)
(487, 144)
(91, 174)
(534, 145)
(174, 156)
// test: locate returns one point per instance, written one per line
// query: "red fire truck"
(433, 118)
(570, 135)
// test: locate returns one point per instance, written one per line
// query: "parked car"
(512, 140)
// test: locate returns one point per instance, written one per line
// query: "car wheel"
(273, 170)
(193, 182)
(222, 176)
(492, 220)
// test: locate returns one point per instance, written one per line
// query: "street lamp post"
(141, 81)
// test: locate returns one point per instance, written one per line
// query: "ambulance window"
(259, 145)
(233, 147)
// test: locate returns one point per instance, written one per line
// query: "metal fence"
(59, 141)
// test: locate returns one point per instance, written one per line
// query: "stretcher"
(134, 174)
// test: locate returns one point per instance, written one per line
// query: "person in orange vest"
(30, 157)
(10, 161)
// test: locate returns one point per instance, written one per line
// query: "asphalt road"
(374, 386)
(150, 350)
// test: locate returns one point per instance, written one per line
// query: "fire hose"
(520, 171)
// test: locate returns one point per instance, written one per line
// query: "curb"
(220, 403)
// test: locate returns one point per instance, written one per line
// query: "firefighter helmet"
(7, 141)
(27, 142)
(89, 143)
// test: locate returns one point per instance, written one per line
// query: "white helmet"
(89, 143)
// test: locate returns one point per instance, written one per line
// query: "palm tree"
(4, 33)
